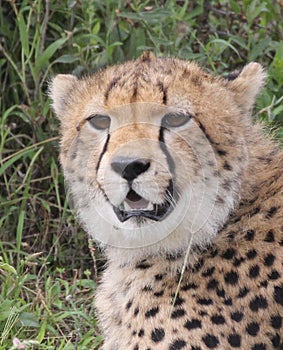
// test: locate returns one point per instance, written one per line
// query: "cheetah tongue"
(134, 201)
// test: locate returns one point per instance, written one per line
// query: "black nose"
(130, 168)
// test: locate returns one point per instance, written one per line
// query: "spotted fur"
(215, 281)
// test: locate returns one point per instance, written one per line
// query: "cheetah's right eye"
(99, 121)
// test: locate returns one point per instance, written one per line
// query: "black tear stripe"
(103, 151)
(164, 149)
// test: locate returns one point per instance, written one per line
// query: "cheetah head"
(154, 150)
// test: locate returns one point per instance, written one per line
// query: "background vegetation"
(48, 269)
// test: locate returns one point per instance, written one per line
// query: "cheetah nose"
(130, 168)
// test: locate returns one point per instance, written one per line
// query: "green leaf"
(42, 331)
(258, 49)
(8, 268)
(225, 44)
(48, 53)
(23, 34)
(66, 59)
(28, 319)
(5, 309)
(12, 160)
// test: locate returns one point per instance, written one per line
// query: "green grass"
(48, 273)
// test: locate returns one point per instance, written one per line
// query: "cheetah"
(182, 190)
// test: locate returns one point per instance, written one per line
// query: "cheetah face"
(136, 170)
(153, 158)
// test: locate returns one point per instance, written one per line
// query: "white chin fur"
(195, 218)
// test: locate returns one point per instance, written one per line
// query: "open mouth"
(136, 206)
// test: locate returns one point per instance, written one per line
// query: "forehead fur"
(151, 79)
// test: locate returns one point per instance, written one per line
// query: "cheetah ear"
(59, 90)
(247, 84)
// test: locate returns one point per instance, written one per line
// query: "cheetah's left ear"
(247, 85)
(59, 90)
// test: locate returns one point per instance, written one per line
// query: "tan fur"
(229, 215)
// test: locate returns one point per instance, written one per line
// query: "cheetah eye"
(99, 121)
(173, 120)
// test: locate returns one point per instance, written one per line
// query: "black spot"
(234, 340)
(205, 301)
(269, 260)
(252, 328)
(255, 211)
(251, 254)
(264, 283)
(202, 313)
(134, 333)
(159, 277)
(243, 292)
(210, 341)
(228, 302)
(276, 321)
(228, 254)
(250, 235)
(218, 319)
(143, 265)
(141, 333)
(271, 212)
(278, 294)
(254, 271)
(238, 261)
(276, 341)
(259, 302)
(173, 257)
(237, 316)
(189, 286)
(221, 293)
(129, 304)
(178, 313)
(177, 344)
(192, 324)
(269, 237)
(137, 310)
(221, 152)
(178, 301)
(152, 312)
(208, 272)
(212, 284)
(259, 346)
(213, 253)
(198, 266)
(158, 294)
(231, 277)
(147, 289)
(231, 235)
(74, 155)
(196, 348)
(274, 275)
(219, 200)
(227, 166)
(157, 334)
(136, 347)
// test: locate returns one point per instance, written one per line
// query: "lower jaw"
(159, 213)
